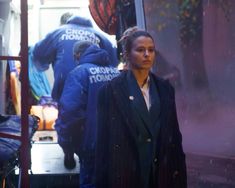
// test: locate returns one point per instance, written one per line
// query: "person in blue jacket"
(56, 49)
(77, 106)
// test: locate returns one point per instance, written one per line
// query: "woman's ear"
(156, 54)
(126, 57)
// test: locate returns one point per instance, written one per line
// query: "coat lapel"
(138, 102)
(155, 108)
(121, 94)
(128, 94)
(164, 98)
(129, 98)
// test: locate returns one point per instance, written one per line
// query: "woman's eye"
(143, 50)
(151, 50)
(140, 50)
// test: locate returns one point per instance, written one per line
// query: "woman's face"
(142, 54)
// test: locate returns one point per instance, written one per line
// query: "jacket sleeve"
(178, 164)
(101, 168)
(180, 173)
(72, 109)
(112, 51)
(44, 52)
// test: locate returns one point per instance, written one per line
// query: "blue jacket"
(77, 106)
(57, 48)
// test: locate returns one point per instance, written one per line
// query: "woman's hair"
(129, 37)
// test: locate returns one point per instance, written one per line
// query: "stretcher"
(9, 148)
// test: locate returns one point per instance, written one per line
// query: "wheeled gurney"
(9, 147)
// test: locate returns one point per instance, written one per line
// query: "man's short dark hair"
(80, 47)
(64, 18)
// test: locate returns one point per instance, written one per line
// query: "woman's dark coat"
(122, 145)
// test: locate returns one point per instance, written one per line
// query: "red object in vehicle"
(104, 14)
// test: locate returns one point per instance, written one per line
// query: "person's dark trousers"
(87, 167)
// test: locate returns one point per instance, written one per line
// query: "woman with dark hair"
(139, 143)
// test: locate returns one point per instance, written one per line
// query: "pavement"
(210, 171)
